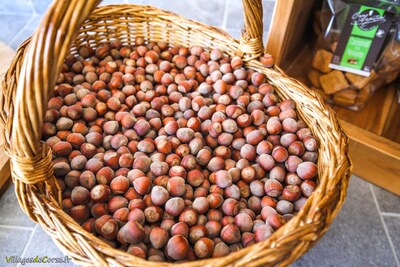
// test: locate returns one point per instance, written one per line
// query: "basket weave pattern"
(32, 76)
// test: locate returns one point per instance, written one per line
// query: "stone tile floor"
(365, 233)
(19, 18)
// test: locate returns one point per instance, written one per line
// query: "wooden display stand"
(374, 131)
(6, 56)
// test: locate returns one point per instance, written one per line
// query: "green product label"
(366, 21)
(361, 39)
(356, 52)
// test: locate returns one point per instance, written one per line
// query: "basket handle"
(42, 62)
(251, 40)
(31, 159)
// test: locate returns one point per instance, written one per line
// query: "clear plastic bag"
(342, 87)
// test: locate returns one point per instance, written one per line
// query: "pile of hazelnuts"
(173, 153)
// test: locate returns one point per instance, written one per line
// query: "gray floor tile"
(16, 6)
(235, 14)
(388, 202)
(34, 22)
(210, 12)
(356, 238)
(42, 245)
(11, 213)
(137, 2)
(41, 6)
(393, 225)
(109, 2)
(12, 243)
(11, 25)
(236, 33)
(21, 37)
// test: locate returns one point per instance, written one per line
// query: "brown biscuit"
(358, 80)
(363, 95)
(333, 82)
(346, 97)
(321, 60)
(313, 76)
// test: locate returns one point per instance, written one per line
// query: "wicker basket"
(32, 76)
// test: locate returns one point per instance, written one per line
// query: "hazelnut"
(266, 161)
(142, 185)
(136, 214)
(278, 173)
(188, 216)
(174, 206)
(306, 170)
(62, 149)
(107, 227)
(177, 247)
(80, 213)
(204, 247)
(117, 202)
(244, 222)
(273, 188)
(223, 178)
(200, 205)
(284, 207)
(159, 195)
(196, 232)
(230, 234)
(158, 237)
(262, 233)
(267, 211)
(131, 233)
(180, 228)
(215, 200)
(153, 214)
(307, 187)
(230, 207)
(80, 195)
(276, 221)
(220, 250)
(291, 192)
(119, 185)
(248, 152)
(176, 186)
(100, 193)
(280, 154)
(298, 204)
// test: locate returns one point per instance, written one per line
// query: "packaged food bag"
(357, 50)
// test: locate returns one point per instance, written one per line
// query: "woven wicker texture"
(32, 76)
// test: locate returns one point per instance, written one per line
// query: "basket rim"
(252, 64)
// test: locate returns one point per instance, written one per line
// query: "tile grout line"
(225, 19)
(384, 225)
(16, 227)
(27, 244)
(390, 214)
(16, 13)
(32, 7)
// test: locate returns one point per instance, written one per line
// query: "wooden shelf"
(375, 158)
(374, 131)
(5, 179)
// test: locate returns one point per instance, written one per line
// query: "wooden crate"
(374, 131)
(6, 55)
